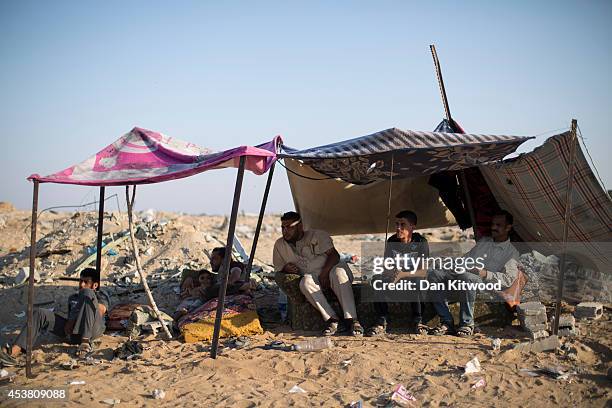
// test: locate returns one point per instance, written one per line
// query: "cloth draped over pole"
(142, 156)
(360, 167)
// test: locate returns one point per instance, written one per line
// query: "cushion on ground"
(239, 319)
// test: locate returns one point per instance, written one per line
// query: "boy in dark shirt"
(404, 241)
(86, 319)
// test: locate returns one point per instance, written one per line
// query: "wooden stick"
(568, 220)
(31, 281)
(143, 277)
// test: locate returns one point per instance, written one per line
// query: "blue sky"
(77, 75)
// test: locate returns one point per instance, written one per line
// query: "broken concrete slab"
(589, 310)
(550, 343)
(567, 320)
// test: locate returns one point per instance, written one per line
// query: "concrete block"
(536, 327)
(536, 335)
(531, 320)
(568, 332)
(550, 343)
(531, 309)
(589, 310)
(567, 320)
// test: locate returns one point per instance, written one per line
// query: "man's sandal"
(84, 349)
(441, 330)
(357, 329)
(465, 331)
(420, 328)
(377, 330)
(332, 328)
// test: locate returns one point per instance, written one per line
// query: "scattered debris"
(472, 366)
(24, 274)
(556, 372)
(296, 389)
(76, 382)
(159, 394)
(496, 343)
(402, 396)
(20, 315)
(346, 363)
(479, 384)
(111, 401)
(128, 350)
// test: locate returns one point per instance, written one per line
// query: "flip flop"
(277, 345)
(239, 342)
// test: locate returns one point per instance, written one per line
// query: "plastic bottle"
(282, 305)
(320, 343)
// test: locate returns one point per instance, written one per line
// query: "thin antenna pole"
(434, 54)
(568, 215)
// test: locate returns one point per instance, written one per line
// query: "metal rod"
(259, 222)
(226, 260)
(434, 54)
(31, 281)
(100, 233)
(568, 215)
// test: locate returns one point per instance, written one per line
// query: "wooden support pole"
(31, 281)
(568, 219)
(143, 277)
(262, 211)
(434, 54)
(462, 178)
(226, 260)
(100, 233)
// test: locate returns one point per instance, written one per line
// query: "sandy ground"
(354, 369)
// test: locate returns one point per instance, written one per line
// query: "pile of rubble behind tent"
(170, 243)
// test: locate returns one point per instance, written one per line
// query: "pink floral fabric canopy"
(142, 157)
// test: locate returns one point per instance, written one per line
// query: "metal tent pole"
(31, 281)
(259, 222)
(226, 260)
(100, 232)
(568, 215)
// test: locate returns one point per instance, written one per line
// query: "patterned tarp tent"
(344, 187)
(533, 187)
(403, 153)
(142, 156)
